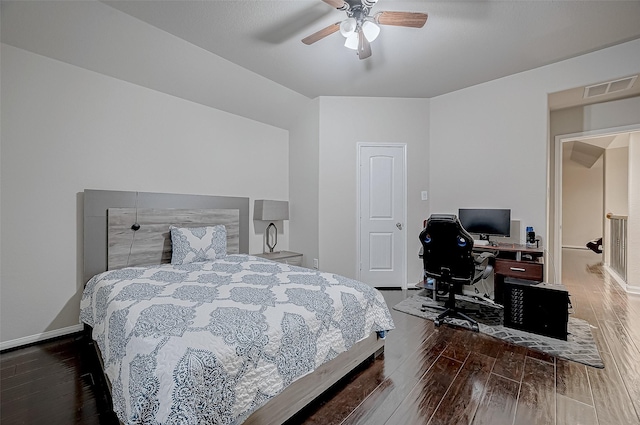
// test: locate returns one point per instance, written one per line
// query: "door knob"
(399, 226)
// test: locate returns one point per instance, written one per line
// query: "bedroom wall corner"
(132, 50)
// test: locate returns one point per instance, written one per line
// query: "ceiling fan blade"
(316, 36)
(364, 48)
(338, 4)
(402, 19)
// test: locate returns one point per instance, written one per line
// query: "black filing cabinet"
(540, 308)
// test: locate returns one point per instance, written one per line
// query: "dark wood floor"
(427, 375)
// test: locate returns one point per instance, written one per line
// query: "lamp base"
(271, 236)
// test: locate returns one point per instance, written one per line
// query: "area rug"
(580, 346)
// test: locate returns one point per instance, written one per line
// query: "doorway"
(584, 152)
(381, 215)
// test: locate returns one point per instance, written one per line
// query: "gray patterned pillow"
(191, 244)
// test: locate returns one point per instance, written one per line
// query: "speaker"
(540, 308)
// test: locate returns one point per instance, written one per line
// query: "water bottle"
(531, 237)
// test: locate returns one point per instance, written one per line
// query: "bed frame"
(111, 243)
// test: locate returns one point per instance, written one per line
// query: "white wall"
(615, 113)
(489, 142)
(65, 129)
(488, 150)
(344, 122)
(617, 181)
(616, 192)
(304, 175)
(633, 232)
(582, 202)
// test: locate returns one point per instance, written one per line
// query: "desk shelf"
(514, 260)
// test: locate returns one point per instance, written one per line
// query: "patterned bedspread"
(211, 342)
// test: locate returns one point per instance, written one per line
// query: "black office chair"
(448, 258)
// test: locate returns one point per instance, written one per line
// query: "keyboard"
(480, 243)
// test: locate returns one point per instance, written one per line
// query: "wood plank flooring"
(427, 375)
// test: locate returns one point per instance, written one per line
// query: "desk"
(513, 260)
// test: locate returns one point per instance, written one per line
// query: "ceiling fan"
(360, 28)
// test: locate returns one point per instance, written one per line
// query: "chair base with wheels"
(450, 309)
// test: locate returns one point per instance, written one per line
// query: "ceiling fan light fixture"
(352, 41)
(348, 27)
(360, 28)
(370, 30)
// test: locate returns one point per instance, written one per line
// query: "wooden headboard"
(110, 243)
(151, 243)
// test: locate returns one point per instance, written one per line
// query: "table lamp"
(267, 210)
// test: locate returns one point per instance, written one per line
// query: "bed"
(215, 335)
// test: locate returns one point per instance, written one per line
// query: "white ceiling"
(462, 44)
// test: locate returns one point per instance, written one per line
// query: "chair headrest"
(447, 245)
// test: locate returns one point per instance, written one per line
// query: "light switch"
(424, 195)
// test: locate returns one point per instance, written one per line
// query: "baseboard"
(624, 285)
(27, 340)
(635, 290)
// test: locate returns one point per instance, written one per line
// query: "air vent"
(610, 87)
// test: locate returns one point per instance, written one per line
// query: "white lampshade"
(370, 30)
(352, 41)
(267, 210)
(348, 27)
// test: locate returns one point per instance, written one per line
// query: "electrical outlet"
(315, 263)
(423, 195)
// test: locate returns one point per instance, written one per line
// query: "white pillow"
(191, 244)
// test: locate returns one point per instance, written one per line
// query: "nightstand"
(287, 257)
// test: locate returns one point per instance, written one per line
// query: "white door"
(382, 201)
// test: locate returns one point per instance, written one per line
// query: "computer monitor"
(486, 221)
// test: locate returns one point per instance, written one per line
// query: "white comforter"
(211, 342)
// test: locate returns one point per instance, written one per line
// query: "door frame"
(359, 146)
(559, 141)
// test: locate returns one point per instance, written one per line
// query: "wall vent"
(609, 87)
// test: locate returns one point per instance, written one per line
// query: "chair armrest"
(482, 266)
